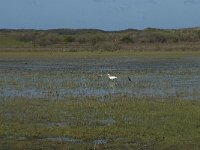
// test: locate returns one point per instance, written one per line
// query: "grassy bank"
(117, 123)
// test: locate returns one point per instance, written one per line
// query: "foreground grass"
(117, 123)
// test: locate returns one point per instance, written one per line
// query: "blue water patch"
(136, 78)
(100, 142)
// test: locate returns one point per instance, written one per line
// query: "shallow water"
(100, 142)
(62, 78)
(62, 139)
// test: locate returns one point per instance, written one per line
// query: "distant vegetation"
(99, 40)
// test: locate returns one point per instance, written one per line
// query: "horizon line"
(117, 30)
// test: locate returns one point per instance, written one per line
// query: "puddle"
(22, 138)
(58, 124)
(63, 139)
(108, 121)
(100, 142)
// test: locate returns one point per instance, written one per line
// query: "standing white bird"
(111, 77)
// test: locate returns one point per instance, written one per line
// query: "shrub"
(127, 39)
(69, 39)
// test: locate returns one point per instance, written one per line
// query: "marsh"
(87, 77)
(66, 100)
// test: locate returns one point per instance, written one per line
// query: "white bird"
(111, 77)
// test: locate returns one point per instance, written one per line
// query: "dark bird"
(129, 79)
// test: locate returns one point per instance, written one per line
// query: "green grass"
(12, 42)
(124, 123)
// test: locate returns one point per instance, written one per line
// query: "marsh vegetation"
(64, 100)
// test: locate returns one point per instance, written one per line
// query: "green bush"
(69, 39)
(127, 39)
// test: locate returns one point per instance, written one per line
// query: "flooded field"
(87, 77)
(54, 102)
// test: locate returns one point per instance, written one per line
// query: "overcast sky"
(101, 14)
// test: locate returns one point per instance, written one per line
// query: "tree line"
(99, 38)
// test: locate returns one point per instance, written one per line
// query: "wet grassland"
(64, 100)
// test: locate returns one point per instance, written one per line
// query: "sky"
(99, 14)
